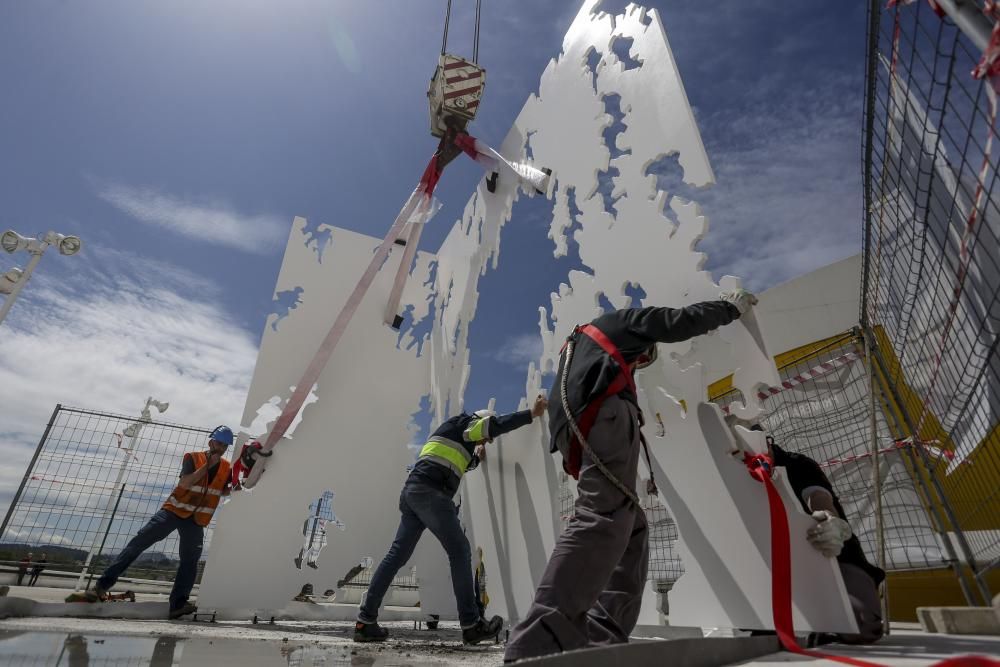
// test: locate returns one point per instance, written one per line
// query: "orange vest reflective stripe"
(202, 498)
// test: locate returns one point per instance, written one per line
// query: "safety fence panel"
(825, 412)
(97, 478)
(931, 289)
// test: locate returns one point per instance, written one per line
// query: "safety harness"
(578, 441)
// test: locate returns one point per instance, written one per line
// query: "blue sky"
(178, 139)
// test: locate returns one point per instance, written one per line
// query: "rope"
(447, 18)
(629, 493)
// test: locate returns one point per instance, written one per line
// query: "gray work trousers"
(591, 591)
(863, 595)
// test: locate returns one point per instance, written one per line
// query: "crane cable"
(475, 35)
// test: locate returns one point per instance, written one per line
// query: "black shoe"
(369, 632)
(188, 608)
(482, 630)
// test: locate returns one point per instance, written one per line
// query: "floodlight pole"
(22, 281)
(112, 505)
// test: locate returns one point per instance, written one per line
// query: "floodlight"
(10, 279)
(67, 245)
(11, 241)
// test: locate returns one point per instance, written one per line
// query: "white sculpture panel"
(351, 439)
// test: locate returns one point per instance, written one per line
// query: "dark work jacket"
(804, 472)
(430, 473)
(633, 331)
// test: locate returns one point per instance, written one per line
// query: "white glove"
(829, 533)
(740, 298)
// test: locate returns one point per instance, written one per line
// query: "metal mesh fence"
(824, 411)
(96, 478)
(932, 257)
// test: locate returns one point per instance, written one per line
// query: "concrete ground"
(906, 646)
(36, 640)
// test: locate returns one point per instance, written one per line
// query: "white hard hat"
(482, 414)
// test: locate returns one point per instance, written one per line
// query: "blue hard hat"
(222, 434)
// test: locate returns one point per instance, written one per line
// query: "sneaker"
(369, 632)
(482, 630)
(188, 608)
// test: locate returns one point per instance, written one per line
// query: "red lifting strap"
(587, 418)
(761, 467)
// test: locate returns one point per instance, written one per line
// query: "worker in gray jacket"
(591, 590)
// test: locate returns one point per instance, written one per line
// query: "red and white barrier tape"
(932, 447)
(824, 368)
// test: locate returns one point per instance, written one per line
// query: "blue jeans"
(159, 528)
(423, 507)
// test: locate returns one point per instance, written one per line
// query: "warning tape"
(824, 368)
(932, 447)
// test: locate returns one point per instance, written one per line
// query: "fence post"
(877, 485)
(27, 473)
(104, 539)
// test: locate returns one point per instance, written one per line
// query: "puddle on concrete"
(58, 649)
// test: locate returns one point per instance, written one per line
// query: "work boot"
(482, 630)
(369, 632)
(188, 608)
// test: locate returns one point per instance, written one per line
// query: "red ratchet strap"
(761, 467)
(623, 380)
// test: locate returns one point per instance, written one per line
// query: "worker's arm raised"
(673, 325)
(488, 428)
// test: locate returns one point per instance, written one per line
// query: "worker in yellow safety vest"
(426, 502)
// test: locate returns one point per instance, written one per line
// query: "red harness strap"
(587, 418)
(761, 468)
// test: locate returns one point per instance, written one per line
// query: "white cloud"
(110, 338)
(789, 185)
(214, 222)
(519, 350)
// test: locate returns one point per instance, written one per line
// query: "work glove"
(740, 298)
(829, 533)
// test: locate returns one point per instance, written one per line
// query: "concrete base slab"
(700, 652)
(902, 648)
(960, 620)
(16, 607)
(20, 607)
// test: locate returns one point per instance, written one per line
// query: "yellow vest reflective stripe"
(478, 430)
(447, 453)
